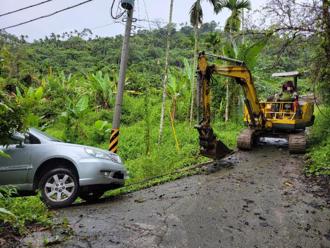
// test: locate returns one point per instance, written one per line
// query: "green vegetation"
(319, 155)
(21, 212)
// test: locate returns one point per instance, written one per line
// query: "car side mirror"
(18, 137)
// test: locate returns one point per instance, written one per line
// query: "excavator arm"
(210, 146)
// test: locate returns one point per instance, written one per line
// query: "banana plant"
(189, 70)
(101, 130)
(60, 84)
(30, 100)
(103, 88)
(247, 52)
(75, 111)
(176, 88)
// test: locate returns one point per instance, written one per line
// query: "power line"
(45, 16)
(24, 8)
(105, 25)
(146, 12)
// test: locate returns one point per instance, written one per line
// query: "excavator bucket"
(210, 146)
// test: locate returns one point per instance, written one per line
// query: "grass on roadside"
(20, 212)
(318, 162)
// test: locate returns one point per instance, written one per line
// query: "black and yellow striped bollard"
(114, 138)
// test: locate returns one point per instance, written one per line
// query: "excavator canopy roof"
(286, 74)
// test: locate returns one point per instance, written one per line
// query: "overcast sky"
(95, 16)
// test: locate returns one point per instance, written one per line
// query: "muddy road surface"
(261, 201)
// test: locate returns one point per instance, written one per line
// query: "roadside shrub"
(11, 117)
(132, 109)
(20, 212)
(319, 155)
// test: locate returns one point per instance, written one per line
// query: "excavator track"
(297, 143)
(245, 139)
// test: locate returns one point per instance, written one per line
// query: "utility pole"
(128, 5)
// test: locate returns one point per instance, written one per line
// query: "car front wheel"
(59, 187)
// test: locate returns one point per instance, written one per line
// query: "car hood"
(81, 146)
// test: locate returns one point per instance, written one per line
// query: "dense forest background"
(65, 84)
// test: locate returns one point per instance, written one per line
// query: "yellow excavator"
(284, 118)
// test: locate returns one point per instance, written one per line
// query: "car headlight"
(103, 155)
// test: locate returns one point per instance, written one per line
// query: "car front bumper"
(100, 172)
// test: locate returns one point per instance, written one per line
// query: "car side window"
(30, 139)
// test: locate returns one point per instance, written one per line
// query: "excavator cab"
(288, 111)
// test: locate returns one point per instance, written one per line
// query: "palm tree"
(233, 25)
(213, 42)
(196, 20)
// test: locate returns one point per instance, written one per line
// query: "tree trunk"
(147, 120)
(168, 43)
(243, 20)
(193, 80)
(326, 26)
(227, 102)
(173, 107)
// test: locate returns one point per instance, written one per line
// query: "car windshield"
(45, 135)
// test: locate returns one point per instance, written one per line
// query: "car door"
(14, 170)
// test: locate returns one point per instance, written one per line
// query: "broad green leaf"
(82, 104)
(18, 92)
(5, 211)
(251, 54)
(38, 93)
(100, 125)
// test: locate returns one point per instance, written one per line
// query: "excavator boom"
(210, 146)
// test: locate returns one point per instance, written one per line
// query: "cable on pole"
(45, 16)
(24, 8)
(117, 16)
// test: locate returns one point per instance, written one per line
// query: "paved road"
(262, 201)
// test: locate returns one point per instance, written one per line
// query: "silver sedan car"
(61, 171)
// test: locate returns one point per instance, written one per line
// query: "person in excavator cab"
(289, 94)
(288, 91)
